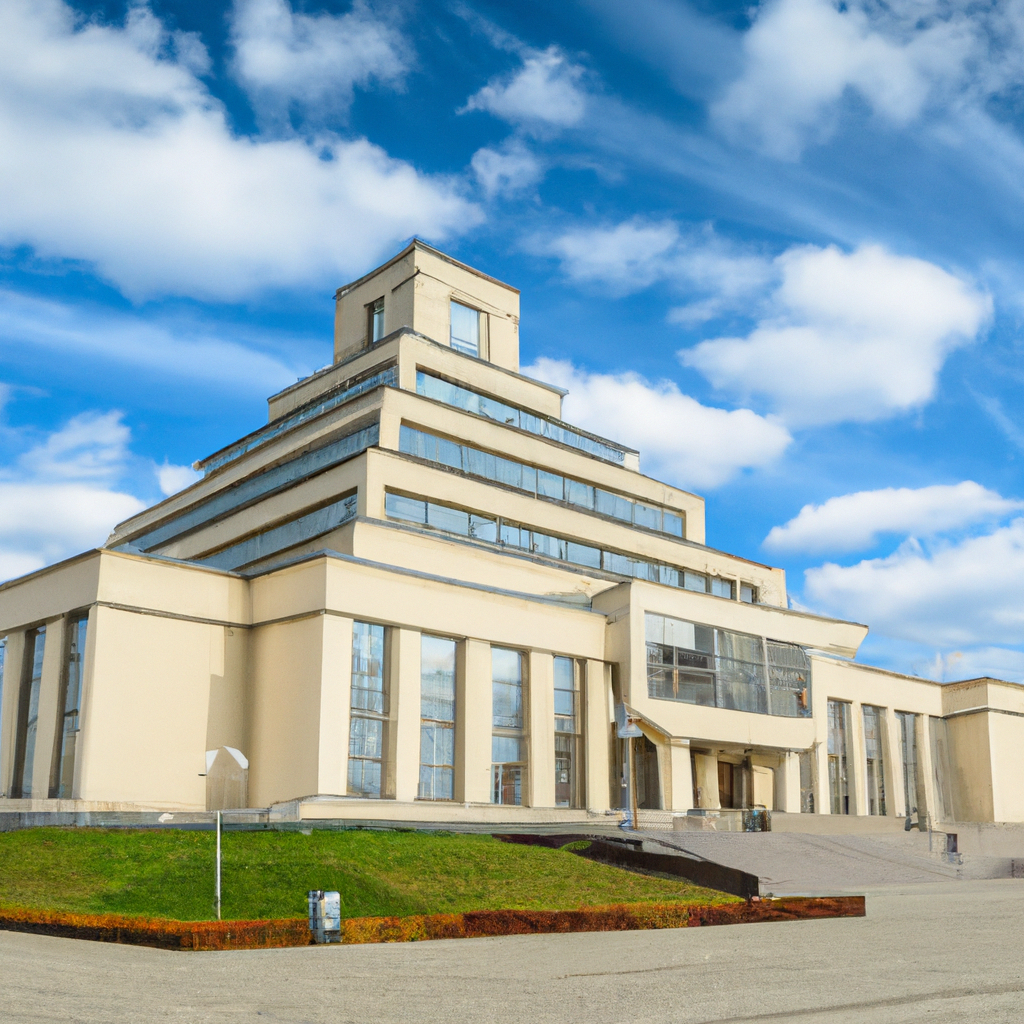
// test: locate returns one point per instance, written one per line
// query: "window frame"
(29, 685)
(359, 714)
(62, 787)
(461, 347)
(374, 310)
(433, 723)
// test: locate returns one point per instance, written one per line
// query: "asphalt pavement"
(943, 952)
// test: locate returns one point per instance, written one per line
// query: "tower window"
(465, 336)
(376, 313)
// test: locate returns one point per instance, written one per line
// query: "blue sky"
(777, 248)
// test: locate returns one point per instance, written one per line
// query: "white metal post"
(218, 865)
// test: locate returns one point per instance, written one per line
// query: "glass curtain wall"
(567, 732)
(720, 668)
(437, 718)
(838, 779)
(508, 738)
(62, 774)
(908, 752)
(874, 747)
(3, 652)
(942, 769)
(28, 713)
(369, 715)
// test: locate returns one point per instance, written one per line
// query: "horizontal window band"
(537, 482)
(304, 528)
(248, 492)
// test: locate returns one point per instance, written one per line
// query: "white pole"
(218, 865)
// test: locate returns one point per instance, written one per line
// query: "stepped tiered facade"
(417, 593)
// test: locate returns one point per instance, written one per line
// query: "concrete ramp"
(792, 863)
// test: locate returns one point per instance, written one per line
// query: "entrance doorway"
(648, 789)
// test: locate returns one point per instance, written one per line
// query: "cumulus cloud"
(856, 336)
(638, 253)
(801, 57)
(950, 594)
(680, 440)
(506, 170)
(544, 91)
(61, 496)
(175, 478)
(115, 153)
(290, 62)
(178, 351)
(853, 522)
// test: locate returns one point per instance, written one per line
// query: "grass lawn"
(169, 874)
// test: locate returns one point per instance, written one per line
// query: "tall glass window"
(567, 729)
(874, 750)
(28, 712)
(62, 775)
(508, 738)
(368, 721)
(437, 718)
(838, 779)
(3, 652)
(465, 336)
(908, 750)
(376, 321)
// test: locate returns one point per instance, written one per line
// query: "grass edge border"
(288, 932)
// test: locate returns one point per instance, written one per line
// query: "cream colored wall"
(440, 555)
(144, 726)
(404, 752)
(971, 752)
(286, 731)
(473, 722)
(417, 288)
(55, 590)
(351, 315)
(598, 718)
(540, 707)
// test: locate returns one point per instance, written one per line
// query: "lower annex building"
(416, 593)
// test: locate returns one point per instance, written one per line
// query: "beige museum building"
(417, 593)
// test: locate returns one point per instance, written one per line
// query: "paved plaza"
(943, 952)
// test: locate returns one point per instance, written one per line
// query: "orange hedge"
(207, 935)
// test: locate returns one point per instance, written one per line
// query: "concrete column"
(404, 739)
(707, 780)
(856, 760)
(597, 723)
(540, 710)
(679, 792)
(474, 715)
(787, 783)
(335, 704)
(926, 801)
(895, 798)
(823, 795)
(49, 697)
(9, 707)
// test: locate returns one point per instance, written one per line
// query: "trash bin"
(324, 915)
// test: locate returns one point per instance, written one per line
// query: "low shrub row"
(214, 935)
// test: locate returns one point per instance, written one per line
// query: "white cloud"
(506, 170)
(947, 595)
(545, 90)
(116, 153)
(90, 446)
(852, 522)
(857, 336)
(679, 439)
(803, 56)
(973, 663)
(175, 478)
(61, 496)
(287, 60)
(171, 350)
(637, 253)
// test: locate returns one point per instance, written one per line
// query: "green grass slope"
(169, 874)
